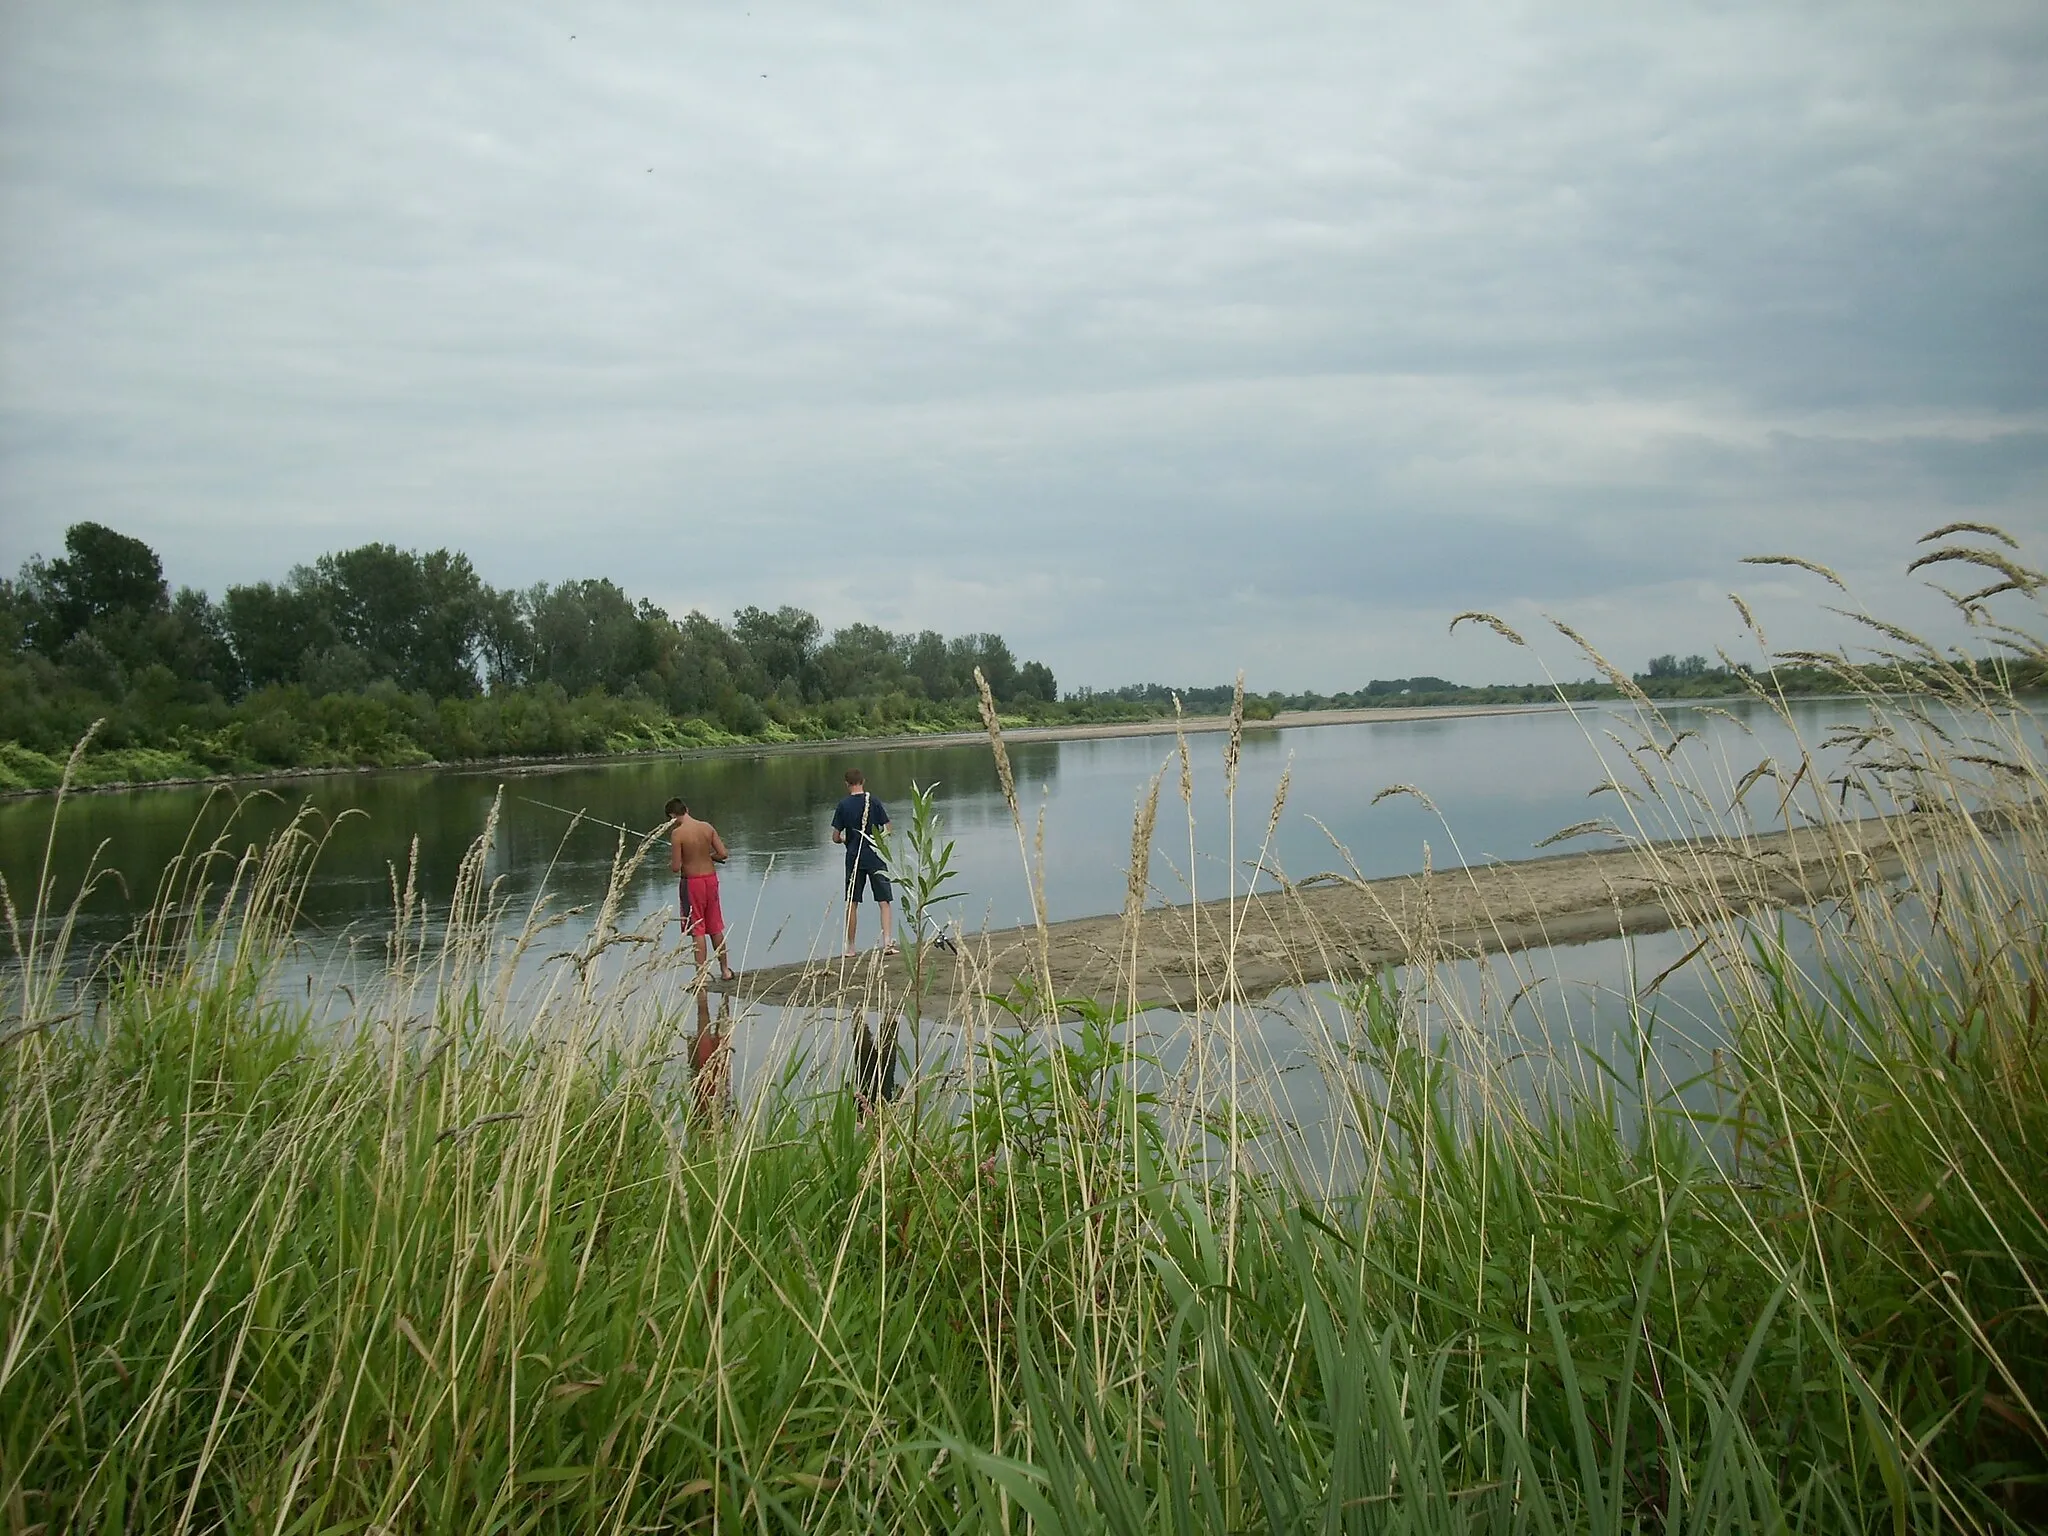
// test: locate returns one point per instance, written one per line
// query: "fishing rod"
(597, 821)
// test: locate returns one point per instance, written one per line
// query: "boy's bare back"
(695, 848)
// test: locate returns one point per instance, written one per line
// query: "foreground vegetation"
(478, 1256)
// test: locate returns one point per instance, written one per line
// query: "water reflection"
(1540, 1027)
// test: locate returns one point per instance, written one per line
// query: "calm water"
(1501, 784)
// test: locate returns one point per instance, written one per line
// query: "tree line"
(383, 655)
(377, 656)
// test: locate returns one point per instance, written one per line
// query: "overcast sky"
(1164, 339)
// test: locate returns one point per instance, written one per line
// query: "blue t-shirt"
(857, 813)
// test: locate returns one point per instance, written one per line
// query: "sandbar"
(1249, 946)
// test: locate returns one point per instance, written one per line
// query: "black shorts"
(876, 880)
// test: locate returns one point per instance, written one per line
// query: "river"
(1500, 784)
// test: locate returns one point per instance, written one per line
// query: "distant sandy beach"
(520, 767)
(1194, 725)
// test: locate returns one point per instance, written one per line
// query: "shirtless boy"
(695, 852)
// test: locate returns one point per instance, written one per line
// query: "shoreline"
(525, 767)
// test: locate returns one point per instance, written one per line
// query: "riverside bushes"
(380, 657)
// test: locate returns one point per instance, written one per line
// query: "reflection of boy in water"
(711, 1059)
(695, 852)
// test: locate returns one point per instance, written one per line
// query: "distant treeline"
(378, 655)
(1666, 677)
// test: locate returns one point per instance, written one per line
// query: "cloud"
(1163, 339)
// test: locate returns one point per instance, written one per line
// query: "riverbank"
(522, 767)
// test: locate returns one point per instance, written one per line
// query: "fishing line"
(596, 821)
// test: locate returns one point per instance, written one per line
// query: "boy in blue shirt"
(855, 821)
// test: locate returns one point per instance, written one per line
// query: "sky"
(1163, 339)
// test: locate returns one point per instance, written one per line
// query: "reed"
(472, 1253)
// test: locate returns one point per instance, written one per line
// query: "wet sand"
(1191, 955)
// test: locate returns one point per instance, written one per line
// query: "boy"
(695, 852)
(858, 817)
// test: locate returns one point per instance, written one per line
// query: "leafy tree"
(782, 644)
(373, 655)
(102, 574)
(504, 640)
(929, 661)
(17, 612)
(1035, 681)
(191, 639)
(998, 665)
(861, 661)
(1674, 666)
(589, 634)
(273, 627)
(700, 665)
(417, 617)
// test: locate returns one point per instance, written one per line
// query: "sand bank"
(1186, 955)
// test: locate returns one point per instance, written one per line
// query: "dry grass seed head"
(994, 727)
(1235, 744)
(2017, 576)
(1138, 878)
(1187, 767)
(1613, 674)
(1805, 565)
(1404, 789)
(1280, 796)
(1499, 626)
(1580, 829)
(1749, 621)
(1988, 530)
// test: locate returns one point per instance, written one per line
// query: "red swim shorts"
(701, 912)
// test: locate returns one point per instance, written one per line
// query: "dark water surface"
(1501, 783)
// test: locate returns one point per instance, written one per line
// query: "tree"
(700, 664)
(861, 661)
(17, 614)
(416, 617)
(588, 634)
(929, 662)
(273, 627)
(998, 666)
(504, 640)
(782, 644)
(104, 573)
(103, 577)
(1035, 681)
(1673, 666)
(191, 638)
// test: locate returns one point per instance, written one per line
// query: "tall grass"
(480, 1256)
